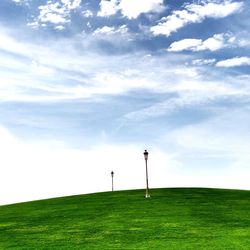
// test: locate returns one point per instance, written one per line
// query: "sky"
(87, 85)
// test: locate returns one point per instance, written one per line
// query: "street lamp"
(112, 176)
(147, 195)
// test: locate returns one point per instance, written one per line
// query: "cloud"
(59, 27)
(39, 68)
(198, 97)
(195, 13)
(34, 79)
(185, 44)
(26, 2)
(56, 13)
(133, 8)
(130, 8)
(244, 40)
(71, 4)
(87, 13)
(201, 62)
(191, 92)
(108, 8)
(70, 171)
(216, 42)
(113, 38)
(59, 73)
(9, 44)
(233, 62)
(106, 30)
(221, 140)
(53, 13)
(226, 133)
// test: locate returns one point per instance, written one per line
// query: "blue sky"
(86, 86)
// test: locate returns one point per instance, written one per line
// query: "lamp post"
(147, 195)
(112, 176)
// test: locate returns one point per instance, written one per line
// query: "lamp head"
(146, 155)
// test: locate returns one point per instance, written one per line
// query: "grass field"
(181, 218)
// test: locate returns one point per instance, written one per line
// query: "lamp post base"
(147, 196)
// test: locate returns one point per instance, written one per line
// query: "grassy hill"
(181, 218)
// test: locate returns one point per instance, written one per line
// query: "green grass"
(181, 218)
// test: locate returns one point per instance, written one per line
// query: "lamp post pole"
(112, 176)
(147, 195)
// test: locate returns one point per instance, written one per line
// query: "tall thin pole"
(147, 195)
(147, 189)
(112, 184)
(112, 175)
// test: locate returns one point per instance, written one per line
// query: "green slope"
(189, 218)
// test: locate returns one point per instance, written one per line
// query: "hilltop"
(174, 218)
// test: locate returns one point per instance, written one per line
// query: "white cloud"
(195, 13)
(216, 42)
(57, 13)
(213, 43)
(192, 91)
(87, 13)
(133, 8)
(34, 82)
(198, 97)
(69, 171)
(21, 1)
(41, 69)
(185, 44)
(46, 61)
(106, 30)
(108, 8)
(113, 77)
(130, 8)
(59, 27)
(201, 62)
(34, 24)
(244, 42)
(233, 62)
(53, 13)
(71, 4)
(10, 44)
(217, 134)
